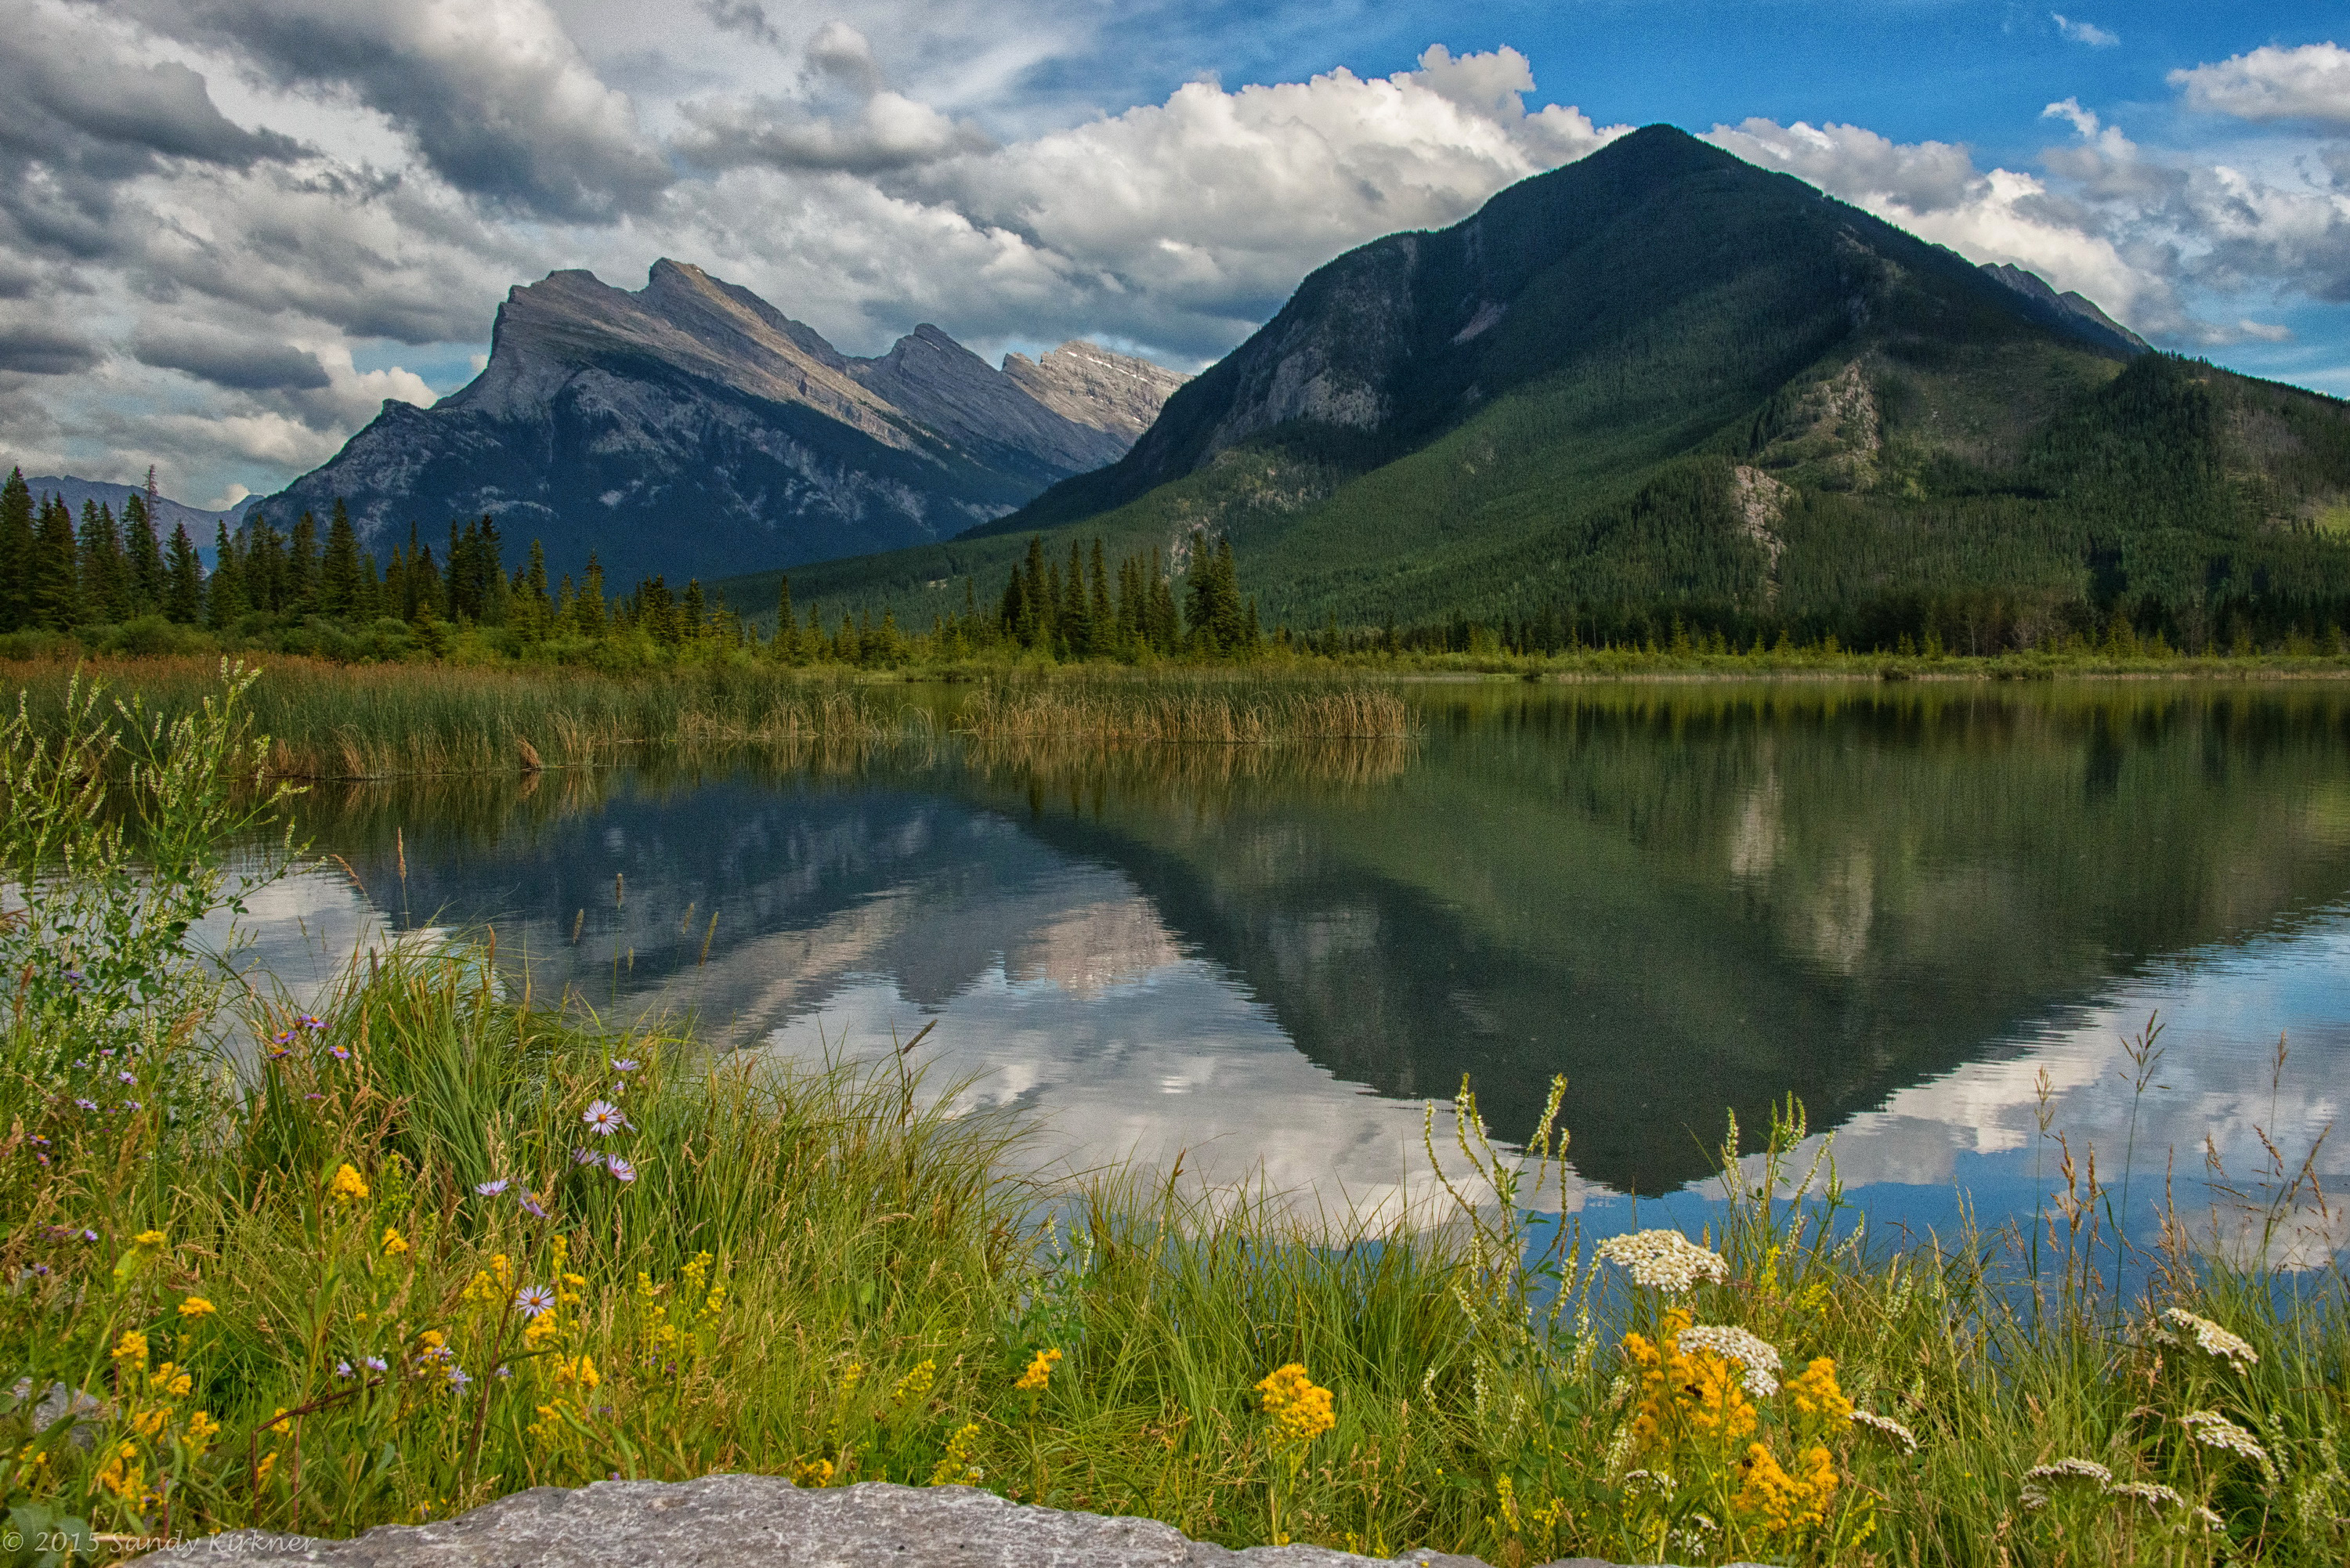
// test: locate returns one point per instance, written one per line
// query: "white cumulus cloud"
(2270, 83)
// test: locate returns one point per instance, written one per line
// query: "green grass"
(819, 1274)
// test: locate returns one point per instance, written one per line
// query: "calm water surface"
(1920, 910)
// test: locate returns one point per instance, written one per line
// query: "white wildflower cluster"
(2040, 1478)
(2206, 1336)
(1664, 1261)
(1638, 1481)
(2214, 1430)
(2154, 1495)
(1757, 1359)
(1887, 1428)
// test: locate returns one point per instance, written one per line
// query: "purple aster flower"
(73, 977)
(621, 1168)
(315, 1025)
(533, 1299)
(584, 1156)
(342, 1369)
(457, 1379)
(42, 1270)
(623, 1065)
(129, 1105)
(87, 1105)
(603, 1118)
(126, 1077)
(279, 1056)
(40, 1142)
(314, 1096)
(90, 1235)
(339, 1052)
(491, 1188)
(372, 1363)
(530, 1205)
(106, 1052)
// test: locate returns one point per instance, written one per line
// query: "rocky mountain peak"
(1085, 382)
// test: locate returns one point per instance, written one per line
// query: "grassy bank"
(437, 1238)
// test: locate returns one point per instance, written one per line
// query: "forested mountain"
(690, 428)
(1660, 384)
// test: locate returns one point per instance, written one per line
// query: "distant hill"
(1661, 382)
(690, 428)
(169, 514)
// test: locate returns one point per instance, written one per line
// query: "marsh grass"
(1186, 712)
(820, 1273)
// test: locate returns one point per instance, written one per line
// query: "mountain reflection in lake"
(1898, 903)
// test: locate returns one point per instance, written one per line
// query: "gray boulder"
(737, 1518)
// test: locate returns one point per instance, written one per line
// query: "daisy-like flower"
(624, 1064)
(87, 1105)
(1664, 1260)
(457, 1379)
(533, 1299)
(374, 1362)
(283, 1037)
(621, 1168)
(491, 1189)
(603, 1118)
(1756, 1358)
(315, 1024)
(280, 1055)
(342, 1369)
(584, 1156)
(126, 1077)
(339, 1052)
(531, 1205)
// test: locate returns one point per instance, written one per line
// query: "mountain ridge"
(691, 428)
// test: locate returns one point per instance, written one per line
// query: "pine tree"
(370, 591)
(225, 596)
(538, 610)
(16, 552)
(300, 594)
(183, 588)
(148, 584)
(589, 611)
(1077, 617)
(105, 570)
(338, 572)
(787, 626)
(57, 569)
(1101, 622)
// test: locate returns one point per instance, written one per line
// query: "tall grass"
(1185, 713)
(376, 1262)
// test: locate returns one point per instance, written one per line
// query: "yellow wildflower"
(268, 1463)
(582, 1372)
(1817, 1395)
(394, 1244)
(173, 1382)
(915, 1386)
(430, 1341)
(150, 1241)
(812, 1473)
(1039, 1373)
(200, 1431)
(956, 1469)
(851, 1376)
(347, 1186)
(149, 1424)
(1787, 1505)
(131, 1346)
(543, 1326)
(276, 1425)
(120, 1476)
(1299, 1408)
(196, 1307)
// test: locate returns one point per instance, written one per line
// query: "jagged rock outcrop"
(763, 1518)
(691, 428)
(2071, 304)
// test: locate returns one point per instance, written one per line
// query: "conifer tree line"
(59, 576)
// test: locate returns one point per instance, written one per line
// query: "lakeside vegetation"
(427, 1239)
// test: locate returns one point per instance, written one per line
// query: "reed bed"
(1187, 714)
(427, 1240)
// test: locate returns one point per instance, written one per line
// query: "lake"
(1934, 912)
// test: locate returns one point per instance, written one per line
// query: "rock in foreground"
(737, 1518)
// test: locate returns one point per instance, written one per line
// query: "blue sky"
(229, 229)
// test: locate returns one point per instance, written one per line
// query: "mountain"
(1660, 382)
(169, 514)
(690, 428)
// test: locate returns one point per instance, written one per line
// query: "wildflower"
(314, 1096)
(621, 1168)
(131, 1348)
(85, 1104)
(394, 1244)
(2070, 1470)
(434, 1345)
(126, 1077)
(196, 1307)
(603, 1118)
(2214, 1430)
(458, 1380)
(582, 1372)
(342, 1369)
(2154, 1494)
(315, 1025)
(491, 1189)
(1786, 1503)
(1638, 1481)
(90, 1235)
(73, 978)
(2206, 1336)
(1664, 1261)
(1887, 1428)
(584, 1156)
(200, 1430)
(623, 1065)
(1299, 1408)
(339, 1052)
(280, 1055)
(174, 1383)
(531, 1205)
(1039, 1373)
(347, 1186)
(120, 1477)
(128, 1107)
(1816, 1394)
(1759, 1360)
(534, 1300)
(955, 1468)
(812, 1473)
(373, 1362)
(913, 1387)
